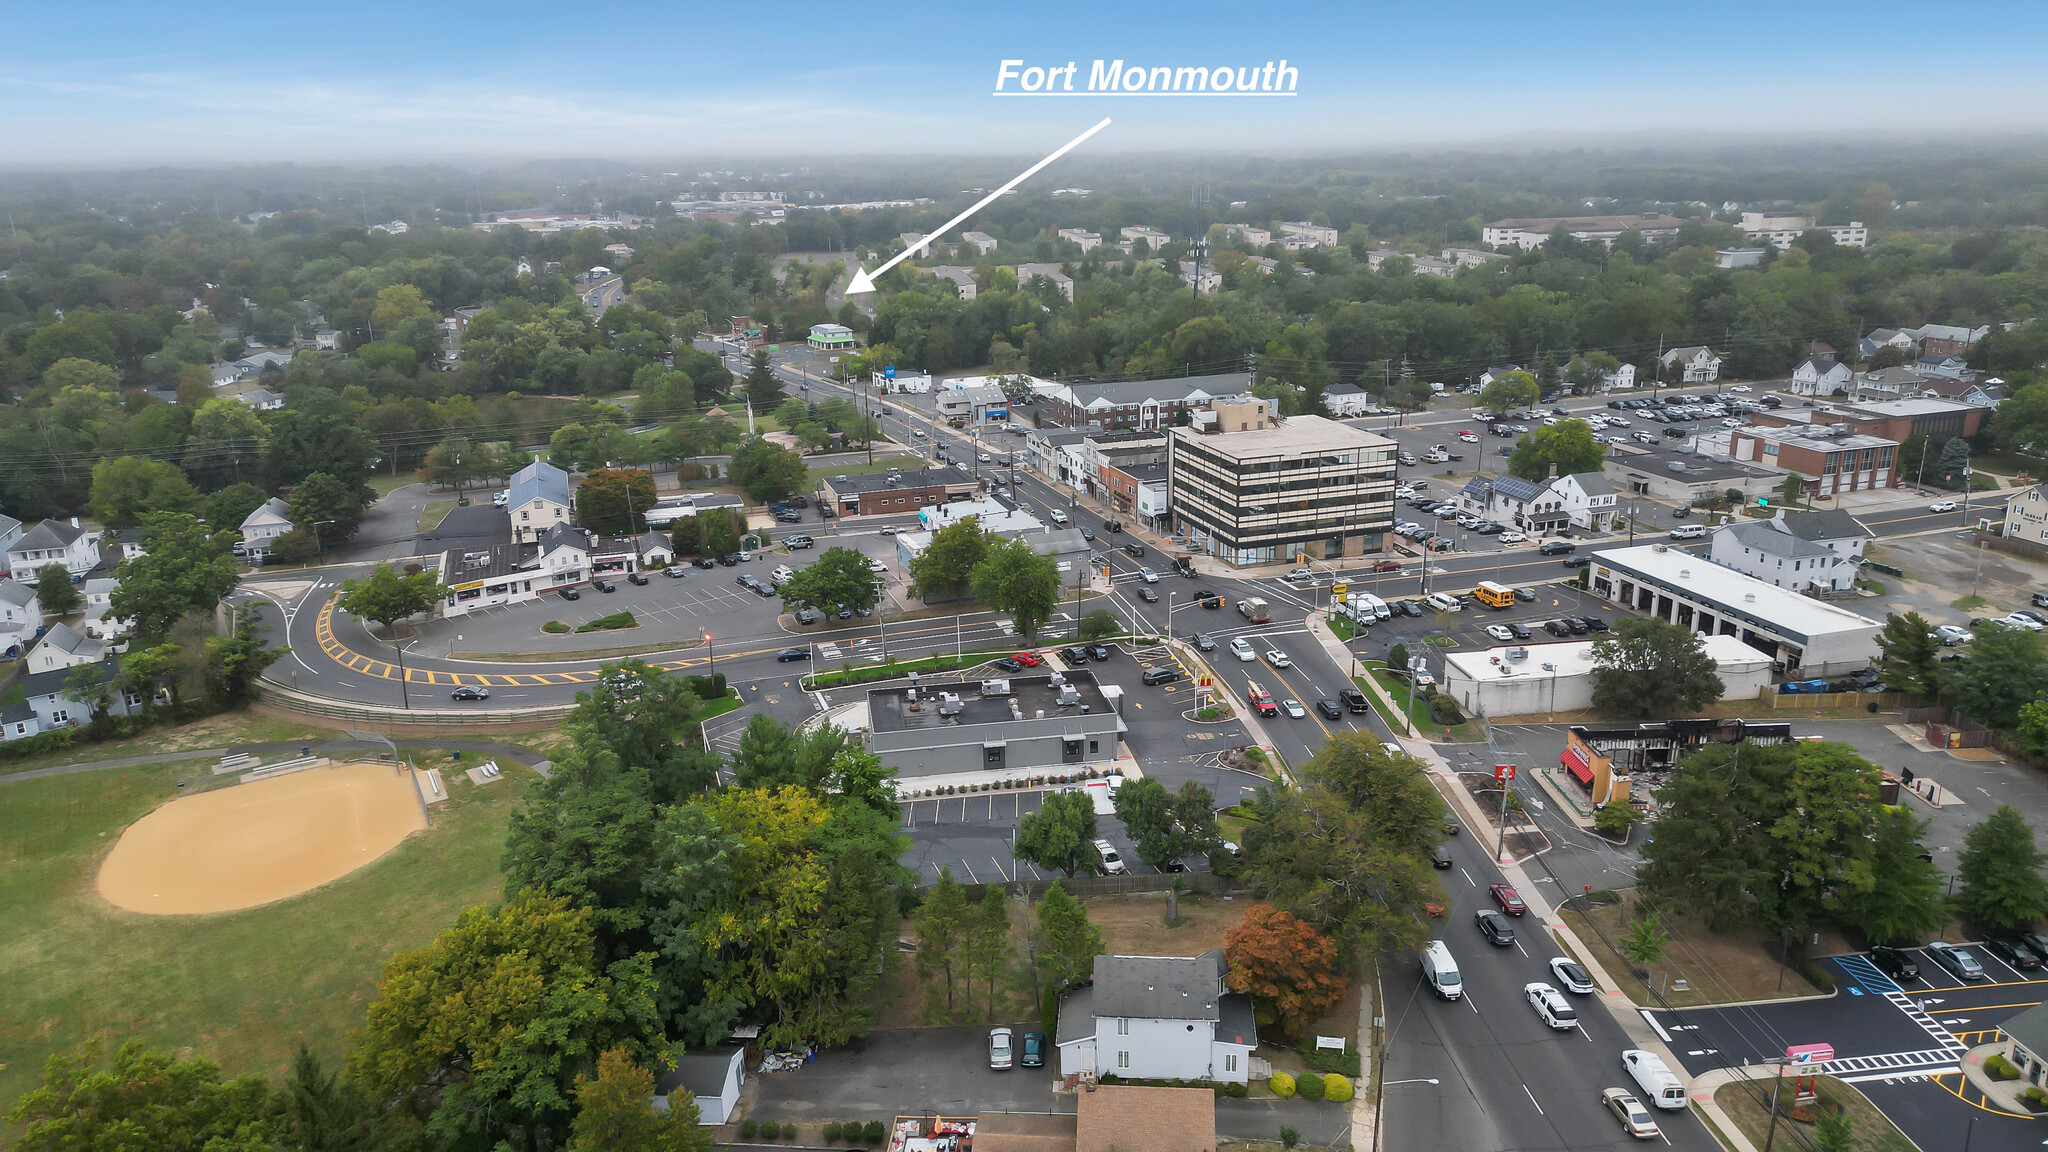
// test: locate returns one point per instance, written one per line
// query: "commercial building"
(669, 509)
(1139, 403)
(1278, 488)
(831, 338)
(2026, 515)
(873, 495)
(1683, 477)
(982, 241)
(1157, 1018)
(1133, 478)
(1025, 724)
(1832, 458)
(1522, 680)
(1532, 232)
(1047, 451)
(1067, 547)
(1796, 550)
(490, 578)
(1606, 760)
(967, 404)
(1800, 634)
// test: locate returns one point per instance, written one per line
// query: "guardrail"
(293, 700)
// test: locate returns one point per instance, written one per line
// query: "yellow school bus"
(1494, 595)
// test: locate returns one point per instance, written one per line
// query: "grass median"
(856, 674)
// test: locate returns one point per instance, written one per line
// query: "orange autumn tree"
(1290, 970)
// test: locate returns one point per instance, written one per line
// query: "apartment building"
(1089, 241)
(1532, 232)
(1252, 488)
(1153, 238)
(1782, 228)
(1298, 234)
(1138, 403)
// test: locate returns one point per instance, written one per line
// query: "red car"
(1028, 659)
(1387, 566)
(1509, 902)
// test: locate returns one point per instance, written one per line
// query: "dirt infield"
(262, 841)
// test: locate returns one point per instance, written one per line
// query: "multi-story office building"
(1250, 487)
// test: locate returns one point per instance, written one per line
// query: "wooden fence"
(1778, 701)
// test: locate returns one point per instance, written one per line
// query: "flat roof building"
(1056, 723)
(1832, 457)
(1801, 635)
(1683, 477)
(1532, 232)
(874, 495)
(1139, 403)
(1280, 487)
(1559, 677)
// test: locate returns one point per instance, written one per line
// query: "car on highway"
(1570, 975)
(1577, 561)
(1352, 699)
(1551, 1006)
(889, 530)
(1294, 709)
(1243, 650)
(1387, 566)
(571, 594)
(1500, 632)
(1278, 659)
(1330, 708)
(1896, 963)
(1059, 517)
(470, 692)
(1509, 900)
(999, 1055)
(1495, 927)
(789, 654)
(1635, 1119)
(1943, 506)
(1148, 594)
(1208, 599)
(1087, 534)
(2013, 951)
(1205, 642)
(1959, 962)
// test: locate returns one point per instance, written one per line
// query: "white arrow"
(864, 281)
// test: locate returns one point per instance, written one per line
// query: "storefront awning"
(1576, 763)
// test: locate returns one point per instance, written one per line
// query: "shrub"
(1444, 711)
(1323, 1060)
(1236, 1091)
(1282, 1085)
(873, 1132)
(554, 627)
(1336, 1089)
(1309, 1087)
(2000, 1068)
(832, 1132)
(749, 1129)
(1289, 1136)
(2035, 1100)
(611, 623)
(1817, 976)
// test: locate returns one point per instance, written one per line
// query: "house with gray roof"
(2027, 1032)
(1523, 505)
(539, 501)
(10, 531)
(65, 647)
(1140, 403)
(1821, 376)
(1346, 400)
(1590, 501)
(20, 615)
(53, 542)
(262, 526)
(1795, 550)
(1157, 1017)
(58, 701)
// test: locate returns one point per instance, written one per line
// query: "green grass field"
(242, 988)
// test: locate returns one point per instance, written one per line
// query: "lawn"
(227, 730)
(858, 674)
(1468, 732)
(1716, 968)
(433, 513)
(1749, 1106)
(243, 988)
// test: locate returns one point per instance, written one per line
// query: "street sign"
(1338, 590)
(1810, 1053)
(1204, 681)
(888, 372)
(1503, 773)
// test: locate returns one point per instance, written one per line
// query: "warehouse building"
(1061, 722)
(1522, 680)
(1801, 635)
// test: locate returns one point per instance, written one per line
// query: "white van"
(1659, 1086)
(1366, 600)
(1688, 532)
(1442, 602)
(1441, 970)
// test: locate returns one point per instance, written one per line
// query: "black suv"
(1495, 927)
(1557, 628)
(1894, 963)
(1135, 548)
(1075, 656)
(1353, 699)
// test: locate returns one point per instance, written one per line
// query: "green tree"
(988, 948)
(768, 471)
(1645, 941)
(1099, 623)
(766, 752)
(328, 507)
(614, 501)
(226, 509)
(1999, 873)
(943, 929)
(127, 488)
(612, 1113)
(1068, 943)
(1061, 834)
(763, 388)
(945, 569)
(717, 534)
(488, 1027)
(1569, 444)
(1511, 390)
(55, 591)
(1391, 790)
(234, 661)
(147, 1098)
(1016, 578)
(1955, 459)
(185, 566)
(1832, 1132)
(1904, 902)
(2033, 726)
(1147, 810)
(1336, 869)
(838, 576)
(1648, 667)
(1791, 489)
(1911, 654)
(387, 595)
(2007, 669)
(1615, 818)
(302, 443)
(1590, 369)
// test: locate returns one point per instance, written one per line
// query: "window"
(1230, 1062)
(60, 716)
(1123, 1059)
(524, 515)
(1123, 1027)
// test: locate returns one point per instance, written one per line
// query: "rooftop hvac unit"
(1660, 547)
(1675, 466)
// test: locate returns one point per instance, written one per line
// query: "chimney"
(74, 521)
(1553, 469)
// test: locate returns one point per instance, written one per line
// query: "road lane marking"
(1532, 1100)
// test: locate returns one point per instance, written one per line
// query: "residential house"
(1026, 273)
(261, 399)
(53, 542)
(58, 701)
(1815, 376)
(100, 623)
(1622, 378)
(1822, 349)
(1886, 338)
(1695, 364)
(2026, 516)
(1088, 241)
(1523, 505)
(64, 647)
(1347, 400)
(128, 540)
(656, 551)
(262, 527)
(982, 241)
(1157, 1018)
(1738, 257)
(1893, 383)
(19, 721)
(1256, 237)
(1939, 367)
(1209, 278)
(1495, 373)
(713, 1076)
(1947, 339)
(539, 501)
(20, 616)
(1800, 550)
(327, 340)
(10, 531)
(1043, 454)
(1589, 498)
(915, 244)
(962, 279)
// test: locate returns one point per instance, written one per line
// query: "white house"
(564, 555)
(1821, 376)
(1589, 499)
(1697, 364)
(961, 278)
(1887, 384)
(1157, 1017)
(539, 501)
(262, 527)
(100, 623)
(1026, 273)
(20, 614)
(1495, 373)
(1883, 338)
(656, 551)
(53, 542)
(63, 647)
(261, 399)
(713, 1077)
(1623, 377)
(1938, 367)
(2026, 515)
(18, 722)
(1256, 237)
(55, 699)
(1346, 400)
(918, 251)
(1210, 279)
(1795, 550)
(1153, 238)
(10, 531)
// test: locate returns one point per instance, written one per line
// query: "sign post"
(1503, 775)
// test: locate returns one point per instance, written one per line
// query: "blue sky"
(132, 82)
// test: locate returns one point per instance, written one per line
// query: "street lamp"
(320, 541)
(714, 655)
